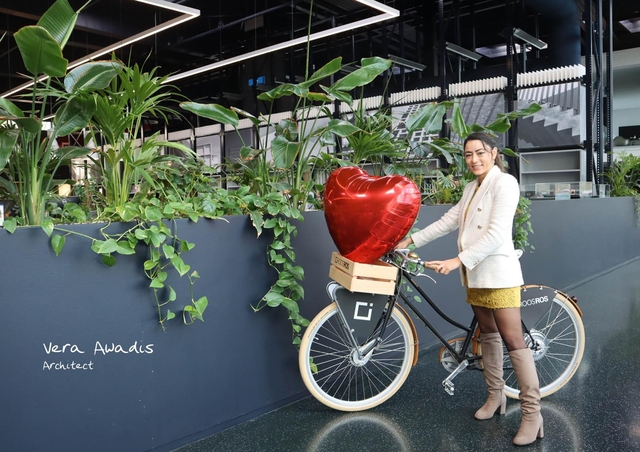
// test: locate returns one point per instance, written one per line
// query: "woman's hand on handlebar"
(411, 256)
(444, 267)
(405, 243)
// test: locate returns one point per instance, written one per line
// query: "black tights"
(506, 321)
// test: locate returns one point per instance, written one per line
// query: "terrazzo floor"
(597, 411)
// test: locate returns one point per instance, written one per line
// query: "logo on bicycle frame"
(360, 310)
(363, 304)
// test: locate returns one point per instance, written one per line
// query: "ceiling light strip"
(173, 6)
(145, 34)
(392, 12)
(284, 45)
(21, 87)
(188, 14)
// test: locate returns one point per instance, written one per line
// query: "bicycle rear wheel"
(557, 341)
(334, 373)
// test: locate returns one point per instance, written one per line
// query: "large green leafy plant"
(28, 156)
(624, 179)
(286, 163)
(374, 143)
(112, 100)
(117, 122)
(624, 176)
(278, 174)
(144, 187)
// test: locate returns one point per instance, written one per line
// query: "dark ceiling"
(228, 28)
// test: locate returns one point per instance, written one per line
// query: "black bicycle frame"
(468, 329)
(382, 323)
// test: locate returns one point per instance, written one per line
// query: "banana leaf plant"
(375, 143)
(28, 156)
(284, 160)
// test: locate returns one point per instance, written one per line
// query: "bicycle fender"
(572, 300)
(414, 331)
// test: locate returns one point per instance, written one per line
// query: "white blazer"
(485, 245)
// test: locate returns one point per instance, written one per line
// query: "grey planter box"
(138, 388)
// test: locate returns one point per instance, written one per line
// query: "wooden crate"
(379, 277)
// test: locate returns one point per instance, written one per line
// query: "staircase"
(558, 123)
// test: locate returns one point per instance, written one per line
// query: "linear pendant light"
(387, 13)
(187, 14)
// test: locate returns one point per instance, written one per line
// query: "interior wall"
(626, 89)
(626, 116)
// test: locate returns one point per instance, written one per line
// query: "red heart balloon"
(368, 215)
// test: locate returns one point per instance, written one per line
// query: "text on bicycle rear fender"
(535, 302)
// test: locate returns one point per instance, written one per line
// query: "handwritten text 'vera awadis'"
(99, 348)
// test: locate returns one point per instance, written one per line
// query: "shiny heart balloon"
(368, 215)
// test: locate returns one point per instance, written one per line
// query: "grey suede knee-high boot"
(492, 359)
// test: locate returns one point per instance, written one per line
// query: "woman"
(491, 272)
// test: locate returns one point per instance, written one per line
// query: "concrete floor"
(597, 411)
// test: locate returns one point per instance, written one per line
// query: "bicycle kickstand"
(448, 383)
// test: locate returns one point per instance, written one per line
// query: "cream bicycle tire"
(331, 371)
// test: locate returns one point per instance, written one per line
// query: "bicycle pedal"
(448, 387)
(477, 365)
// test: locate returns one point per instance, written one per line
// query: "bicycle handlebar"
(409, 256)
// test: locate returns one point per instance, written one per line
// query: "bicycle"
(358, 351)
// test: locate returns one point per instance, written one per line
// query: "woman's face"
(479, 158)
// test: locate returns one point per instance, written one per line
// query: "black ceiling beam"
(230, 24)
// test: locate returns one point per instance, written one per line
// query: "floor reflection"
(375, 428)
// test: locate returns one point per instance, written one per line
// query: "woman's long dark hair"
(488, 142)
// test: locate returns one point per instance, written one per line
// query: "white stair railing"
(478, 86)
(553, 75)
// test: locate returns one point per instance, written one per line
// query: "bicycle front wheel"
(557, 342)
(337, 376)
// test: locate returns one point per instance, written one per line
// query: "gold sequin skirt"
(494, 298)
